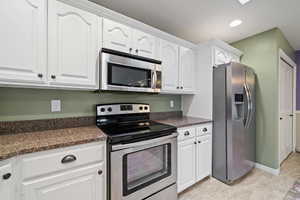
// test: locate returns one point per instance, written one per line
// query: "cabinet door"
(117, 36)
(6, 182)
(23, 41)
(187, 69)
(144, 44)
(204, 157)
(84, 183)
(170, 66)
(186, 164)
(220, 57)
(73, 46)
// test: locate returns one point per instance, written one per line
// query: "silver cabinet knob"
(6, 176)
(40, 75)
(130, 50)
(136, 51)
(186, 133)
(100, 172)
(195, 142)
(53, 76)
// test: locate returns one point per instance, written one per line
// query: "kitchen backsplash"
(30, 104)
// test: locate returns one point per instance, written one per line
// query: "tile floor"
(258, 185)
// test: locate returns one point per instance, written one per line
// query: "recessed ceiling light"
(243, 2)
(235, 23)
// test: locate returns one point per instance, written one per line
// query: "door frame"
(288, 60)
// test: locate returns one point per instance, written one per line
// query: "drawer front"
(51, 162)
(186, 133)
(204, 129)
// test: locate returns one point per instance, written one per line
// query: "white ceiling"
(201, 20)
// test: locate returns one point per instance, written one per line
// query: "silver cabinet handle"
(68, 159)
(130, 49)
(136, 51)
(204, 130)
(40, 75)
(199, 142)
(53, 76)
(195, 142)
(100, 172)
(186, 133)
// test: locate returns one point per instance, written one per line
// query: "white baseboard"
(267, 169)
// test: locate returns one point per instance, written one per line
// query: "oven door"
(127, 74)
(141, 169)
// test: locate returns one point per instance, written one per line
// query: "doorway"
(286, 108)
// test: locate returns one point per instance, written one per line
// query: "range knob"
(109, 109)
(141, 107)
(102, 109)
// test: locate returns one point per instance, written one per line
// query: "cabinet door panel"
(73, 46)
(170, 66)
(144, 44)
(204, 157)
(6, 185)
(187, 69)
(23, 41)
(186, 164)
(117, 36)
(84, 183)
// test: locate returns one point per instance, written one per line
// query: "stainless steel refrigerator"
(233, 121)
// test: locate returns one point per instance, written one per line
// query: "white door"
(187, 69)
(6, 182)
(144, 44)
(84, 183)
(117, 36)
(204, 157)
(186, 164)
(286, 79)
(73, 46)
(23, 41)
(170, 66)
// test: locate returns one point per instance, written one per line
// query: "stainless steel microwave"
(125, 72)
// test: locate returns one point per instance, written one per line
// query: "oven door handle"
(143, 143)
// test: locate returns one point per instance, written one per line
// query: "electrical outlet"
(55, 105)
(171, 104)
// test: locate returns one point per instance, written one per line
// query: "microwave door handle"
(153, 74)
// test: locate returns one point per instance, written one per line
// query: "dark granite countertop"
(183, 121)
(29, 142)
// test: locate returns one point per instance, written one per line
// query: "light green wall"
(261, 53)
(28, 104)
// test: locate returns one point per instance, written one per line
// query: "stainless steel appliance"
(142, 153)
(126, 72)
(233, 121)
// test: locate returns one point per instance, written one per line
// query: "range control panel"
(119, 109)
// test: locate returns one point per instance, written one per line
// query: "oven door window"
(143, 168)
(121, 75)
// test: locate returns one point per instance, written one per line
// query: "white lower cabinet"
(72, 173)
(6, 182)
(204, 157)
(194, 155)
(83, 183)
(186, 164)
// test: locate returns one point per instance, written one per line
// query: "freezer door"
(238, 115)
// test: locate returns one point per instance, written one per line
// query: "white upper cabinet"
(117, 36)
(144, 44)
(23, 41)
(123, 38)
(170, 66)
(187, 69)
(73, 46)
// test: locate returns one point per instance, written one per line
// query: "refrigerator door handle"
(251, 106)
(248, 105)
